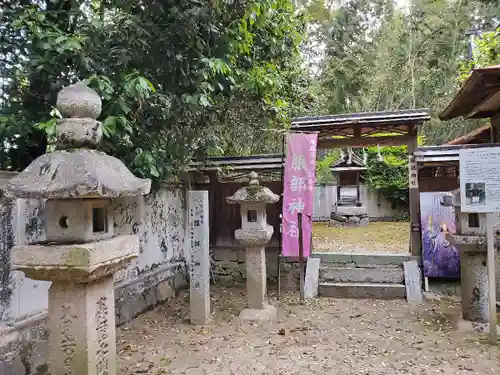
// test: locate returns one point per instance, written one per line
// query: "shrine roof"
(480, 135)
(241, 163)
(342, 163)
(479, 96)
(364, 123)
(443, 155)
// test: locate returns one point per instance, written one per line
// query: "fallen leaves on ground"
(323, 336)
(376, 237)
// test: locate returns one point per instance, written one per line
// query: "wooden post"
(282, 199)
(495, 128)
(301, 258)
(492, 297)
(414, 195)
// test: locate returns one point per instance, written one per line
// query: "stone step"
(393, 275)
(365, 260)
(362, 290)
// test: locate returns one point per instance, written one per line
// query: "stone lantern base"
(257, 309)
(267, 313)
(81, 323)
(347, 216)
(81, 317)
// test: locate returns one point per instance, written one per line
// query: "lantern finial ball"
(78, 100)
(254, 178)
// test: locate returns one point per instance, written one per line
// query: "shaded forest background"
(181, 79)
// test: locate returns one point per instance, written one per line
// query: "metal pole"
(492, 300)
(301, 257)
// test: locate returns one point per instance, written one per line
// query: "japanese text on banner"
(298, 193)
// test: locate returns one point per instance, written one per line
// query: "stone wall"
(160, 269)
(156, 275)
(230, 267)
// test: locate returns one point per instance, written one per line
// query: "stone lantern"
(255, 233)
(470, 240)
(80, 253)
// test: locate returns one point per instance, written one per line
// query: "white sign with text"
(480, 179)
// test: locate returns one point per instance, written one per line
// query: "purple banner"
(298, 192)
(441, 259)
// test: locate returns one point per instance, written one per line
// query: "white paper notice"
(480, 179)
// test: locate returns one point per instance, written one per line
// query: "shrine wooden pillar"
(414, 195)
(495, 128)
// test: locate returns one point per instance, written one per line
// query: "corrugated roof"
(479, 96)
(394, 118)
(441, 155)
(240, 163)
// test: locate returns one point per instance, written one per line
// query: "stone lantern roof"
(253, 193)
(76, 169)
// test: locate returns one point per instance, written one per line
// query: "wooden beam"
(414, 195)
(389, 140)
(490, 101)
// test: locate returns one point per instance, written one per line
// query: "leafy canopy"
(179, 78)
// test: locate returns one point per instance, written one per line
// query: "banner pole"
(301, 257)
(280, 246)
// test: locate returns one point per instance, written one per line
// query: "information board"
(480, 179)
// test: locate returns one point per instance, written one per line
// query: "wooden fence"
(225, 218)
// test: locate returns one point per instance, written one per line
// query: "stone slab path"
(326, 336)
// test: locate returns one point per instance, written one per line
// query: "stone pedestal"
(474, 283)
(81, 322)
(343, 216)
(474, 277)
(256, 277)
(199, 295)
(81, 319)
(470, 240)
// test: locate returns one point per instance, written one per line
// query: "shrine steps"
(377, 276)
(362, 290)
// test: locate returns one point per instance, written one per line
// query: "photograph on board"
(475, 192)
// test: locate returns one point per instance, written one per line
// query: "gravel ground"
(326, 336)
(377, 237)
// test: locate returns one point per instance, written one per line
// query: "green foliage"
(179, 78)
(323, 173)
(402, 217)
(486, 53)
(408, 58)
(390, 175)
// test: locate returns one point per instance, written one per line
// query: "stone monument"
(80, 253)
(199, 280)
(255, 233)
(470, 241)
